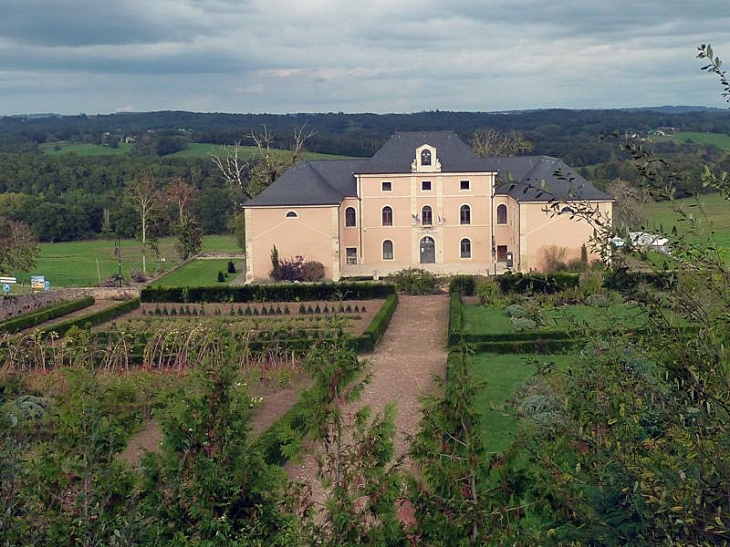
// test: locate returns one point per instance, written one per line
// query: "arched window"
(465, 248)
(502, 214)
(291, 214)
(426, 216)
(465, 214)
(387, 250)
(426, 157)
(387, 216)
(566, 211)
(350, 216)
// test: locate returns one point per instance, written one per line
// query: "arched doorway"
(428, 250)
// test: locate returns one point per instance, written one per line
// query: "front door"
(501, 253)
(428, 250)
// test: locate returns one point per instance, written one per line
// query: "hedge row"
(456, 319)
(46, 314)
(91, 320)
(377, 327)
(623, 280)
(279, 292)
(538, 345)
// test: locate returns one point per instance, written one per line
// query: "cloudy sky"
(278, 56)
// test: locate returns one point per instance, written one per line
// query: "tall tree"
(18, 246)
(182, 197)
(143, 193)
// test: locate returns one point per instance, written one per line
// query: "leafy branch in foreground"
(714, 66)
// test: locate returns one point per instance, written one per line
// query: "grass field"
(198, 273)
(194, 150)
(84, 263)
(502, 376)
(60, 148)
(720, 140)
(710, 212)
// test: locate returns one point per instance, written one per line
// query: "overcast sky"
(279, 56)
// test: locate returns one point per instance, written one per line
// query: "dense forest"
(72, 196)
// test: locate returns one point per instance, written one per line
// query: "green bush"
(535, 283)
(516, 311)
(488, 291)
(415, 281)
(598, 300)
(231, 267)
(522, 324)
(46, 314)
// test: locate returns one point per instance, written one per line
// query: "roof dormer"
(426, 160)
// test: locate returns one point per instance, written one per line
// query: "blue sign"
(6, 287)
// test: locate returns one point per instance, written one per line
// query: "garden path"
(403, 365)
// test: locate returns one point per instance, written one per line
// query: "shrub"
(221, 277)
(598, 300)
(415, 281)
(488, 291)
(553, 258)
(312, 271)
(515, 311)
(138, 276)
(231, 267)
(521, 324)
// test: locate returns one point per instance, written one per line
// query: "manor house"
(425, 199)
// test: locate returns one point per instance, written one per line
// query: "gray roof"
(327, 182)
(542, 178)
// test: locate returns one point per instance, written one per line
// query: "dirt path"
(411, 352)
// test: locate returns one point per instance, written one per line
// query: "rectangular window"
(387, 186)
(464, 185)
(426, 185)
(351, 254)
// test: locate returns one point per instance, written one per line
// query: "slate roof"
(324, 182)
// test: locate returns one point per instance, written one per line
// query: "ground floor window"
(501, 253)
(387, 250)
(465, 248)
(351, 254)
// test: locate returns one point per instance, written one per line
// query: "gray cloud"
(330, 55)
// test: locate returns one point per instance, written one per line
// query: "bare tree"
(254, 173)
(627, 209)
(142, 192)
(182, 196)
(490, 142)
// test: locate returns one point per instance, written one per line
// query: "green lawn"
(721, 140)
(503, 374)
(483, 320)
(83, 263)
(198, 273)
(60, 148)
(711, 213)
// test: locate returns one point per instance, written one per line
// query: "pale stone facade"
(423, 200)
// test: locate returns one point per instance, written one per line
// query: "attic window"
(426, 157)
(292, 214)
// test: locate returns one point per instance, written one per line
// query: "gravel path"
(411, 352)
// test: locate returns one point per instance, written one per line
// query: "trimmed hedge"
(46, 314)
(372, 335)
(625, 280)
(279, 292)
(464, 284)
(93, 319)
(456, 319)
(539, 345)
